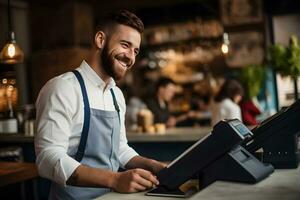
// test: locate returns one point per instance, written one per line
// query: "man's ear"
(100, 39)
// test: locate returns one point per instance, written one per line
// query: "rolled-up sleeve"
(55, 107)
(125, 151)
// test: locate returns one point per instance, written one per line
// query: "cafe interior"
(198, 46)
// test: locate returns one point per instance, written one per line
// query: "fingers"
(144, 182)
(147, 177)
(159, 166)
(135, 187)
(135, 180)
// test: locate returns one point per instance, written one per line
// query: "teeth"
(123, 64)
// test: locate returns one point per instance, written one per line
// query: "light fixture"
(11, 52)
(225, 45)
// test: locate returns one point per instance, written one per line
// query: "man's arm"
(125, 182)
(145, 163)
(172, 121)
(129, 159)
(55, 107)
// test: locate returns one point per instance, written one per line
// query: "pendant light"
(225, 45)
(11, 52)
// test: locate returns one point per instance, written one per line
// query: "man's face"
(120, 50)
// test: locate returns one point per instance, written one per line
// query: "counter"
(14, 172)
(18, 180)
(186, 134)
(281, 185)
(163, 147)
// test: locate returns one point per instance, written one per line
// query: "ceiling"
(162, 11)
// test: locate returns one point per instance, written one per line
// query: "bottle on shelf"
(9, 123)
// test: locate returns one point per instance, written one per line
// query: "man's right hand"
(134, 180)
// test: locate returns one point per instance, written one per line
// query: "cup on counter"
(145, 119)
(160, 128)
(150, 130)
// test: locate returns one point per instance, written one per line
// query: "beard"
(109, 65)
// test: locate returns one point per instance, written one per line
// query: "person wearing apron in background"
(81, 139)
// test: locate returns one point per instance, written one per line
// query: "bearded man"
(81, 139)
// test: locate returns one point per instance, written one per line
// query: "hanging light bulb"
(11, 52)
(225, 45)
(225, 48)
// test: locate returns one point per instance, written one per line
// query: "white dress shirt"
(60, 112)
(226, 109)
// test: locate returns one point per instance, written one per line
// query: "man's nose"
(131, 56)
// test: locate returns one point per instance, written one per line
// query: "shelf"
(15, 138)
(197, 40)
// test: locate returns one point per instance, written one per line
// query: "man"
(81, 139)
(165, 91)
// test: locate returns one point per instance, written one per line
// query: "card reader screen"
(243, 130)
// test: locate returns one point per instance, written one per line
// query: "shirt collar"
(90, 74)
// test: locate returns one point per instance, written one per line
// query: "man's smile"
(122, 61)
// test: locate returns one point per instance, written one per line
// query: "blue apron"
(98, 147)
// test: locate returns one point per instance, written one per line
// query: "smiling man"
(81, 138)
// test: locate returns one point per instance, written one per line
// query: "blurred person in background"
(249, 111)
(164, 92)
(200, 113)
(226, 102)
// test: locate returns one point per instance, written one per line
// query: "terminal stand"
(237, 165)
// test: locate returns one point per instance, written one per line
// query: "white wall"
(284, 26)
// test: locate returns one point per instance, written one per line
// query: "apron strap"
(115, 103)
(86, 122)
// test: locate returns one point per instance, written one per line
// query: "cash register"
(276, 139)
(218, 156)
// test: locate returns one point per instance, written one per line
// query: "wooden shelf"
(203, 41)
(15, 138)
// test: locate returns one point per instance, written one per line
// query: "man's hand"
(171, 122)
(134, 180)
(151, 165)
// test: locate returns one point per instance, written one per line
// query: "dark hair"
(123, 17)
(229, 89)
(163, 82)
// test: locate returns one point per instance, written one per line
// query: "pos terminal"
(278, 137)
(218, 156)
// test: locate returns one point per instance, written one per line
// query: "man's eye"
(125, 45)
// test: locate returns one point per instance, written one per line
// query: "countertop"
(283, 184)
(186, 134)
